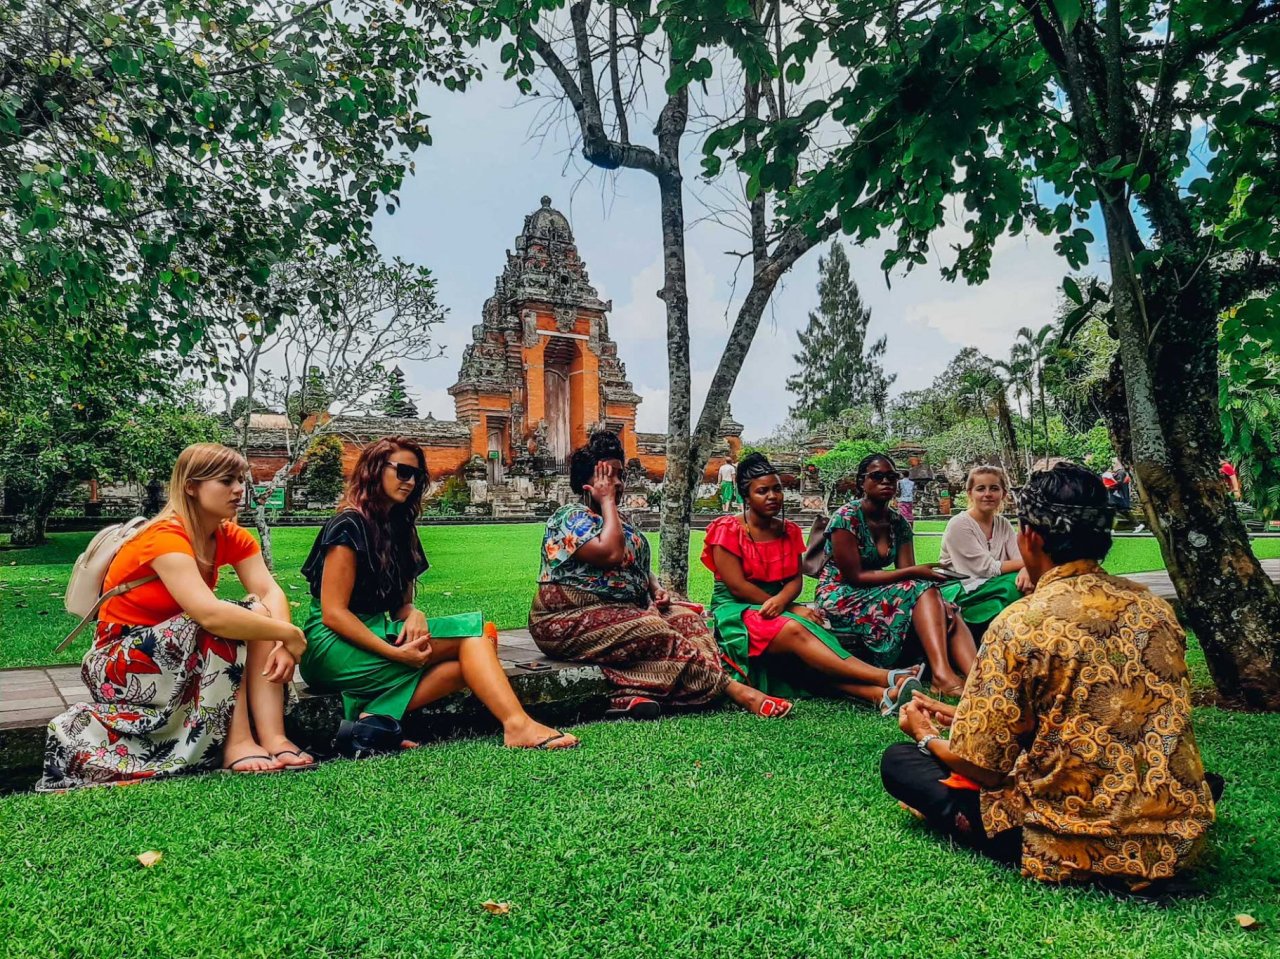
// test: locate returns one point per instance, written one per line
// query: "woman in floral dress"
(598, 602)
(877, 598)
(174, 673)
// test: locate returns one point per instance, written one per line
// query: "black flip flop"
(546, 743)
(294, 767)
(374, 735)
(231, 770)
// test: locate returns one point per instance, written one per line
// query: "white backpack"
(84, 589)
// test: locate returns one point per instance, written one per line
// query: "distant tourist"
(1071, 752)
(907, 499)
(982, 545)
(767, 639)
(1120, 491)
(728, 477)
(1231, 478)
(368, 640)
(174, 672)
(599, 602)
(886, 608)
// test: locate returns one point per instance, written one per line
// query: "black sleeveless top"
(372, 591)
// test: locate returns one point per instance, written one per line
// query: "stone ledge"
(565, 693)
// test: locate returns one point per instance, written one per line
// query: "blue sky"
(486, 171)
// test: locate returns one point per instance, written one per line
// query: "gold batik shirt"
(1080, 695)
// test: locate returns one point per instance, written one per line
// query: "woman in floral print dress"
(877, 610)
(174, 673)
(598, 602)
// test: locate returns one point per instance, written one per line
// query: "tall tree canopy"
(159, 156)
(838, 368)
(1158, 118)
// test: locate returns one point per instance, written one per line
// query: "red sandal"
(774, 707)
(636, 707)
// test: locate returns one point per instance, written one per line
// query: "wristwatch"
(923, 744)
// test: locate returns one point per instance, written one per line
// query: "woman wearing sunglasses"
(877, 598)
(367, 639)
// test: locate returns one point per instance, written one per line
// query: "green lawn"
(707, 836)
(490, 568)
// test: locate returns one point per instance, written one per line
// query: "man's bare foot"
(248, 757)
(533, 735)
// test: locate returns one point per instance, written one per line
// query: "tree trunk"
(29, 528)
(264, 533)
(679, 481)
(1171, 434)
(1007, 432)
(32, 521)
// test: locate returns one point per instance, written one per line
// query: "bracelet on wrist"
(923, 744)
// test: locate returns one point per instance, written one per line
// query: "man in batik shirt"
(1071, 752)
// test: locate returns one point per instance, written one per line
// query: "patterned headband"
(1035, 509)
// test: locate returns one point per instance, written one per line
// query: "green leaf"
(1072, 289)
(1069, 13)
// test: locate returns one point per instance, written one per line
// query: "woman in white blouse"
(982, 545)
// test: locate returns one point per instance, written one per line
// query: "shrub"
(324, 478)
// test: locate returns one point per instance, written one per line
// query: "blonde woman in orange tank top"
(174, 673)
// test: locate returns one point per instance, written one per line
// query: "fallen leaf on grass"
(1247, 921)
(496, 908)
(150, 858)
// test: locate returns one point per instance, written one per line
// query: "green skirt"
(983, 604)
(370, 683)
(731, 634)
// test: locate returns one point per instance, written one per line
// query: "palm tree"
(1016, 372)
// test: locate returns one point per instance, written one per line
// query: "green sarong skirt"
(370, 683)
(983, 604)
(731, 634)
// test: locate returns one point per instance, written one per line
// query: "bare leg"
(483, 675)
(266, 703)
(929, 620)
(240, 742)
(964, 649)
(850, 676)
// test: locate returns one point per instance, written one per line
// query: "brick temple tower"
(541, 371)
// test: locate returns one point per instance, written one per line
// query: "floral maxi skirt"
(162, 698)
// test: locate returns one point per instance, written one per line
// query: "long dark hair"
(393, 535)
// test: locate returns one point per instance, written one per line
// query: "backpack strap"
(93, 613)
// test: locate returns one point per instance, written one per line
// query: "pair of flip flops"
(286, 768)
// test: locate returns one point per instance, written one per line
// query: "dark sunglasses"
(880, 476)
(404, 472)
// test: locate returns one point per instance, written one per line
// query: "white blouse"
(966, 549)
